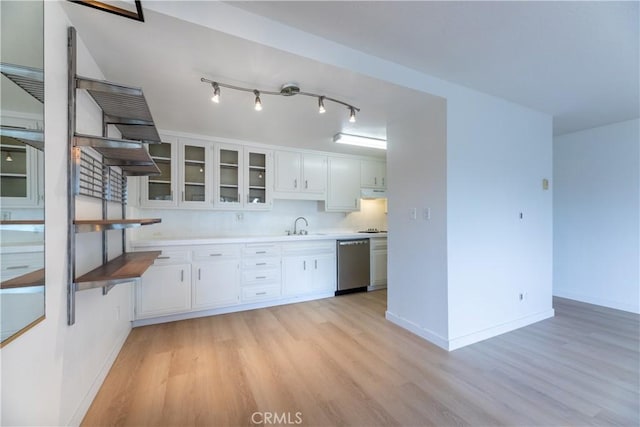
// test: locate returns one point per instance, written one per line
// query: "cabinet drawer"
(216, 252)
(378, 244)
(261, 250)
(309, 248)
(259, 293)
(17, 264)
(261, 276)
(260, 263)
(168, 257)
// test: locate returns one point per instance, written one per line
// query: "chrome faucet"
(295, 225)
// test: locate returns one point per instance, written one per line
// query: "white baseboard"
(231, 309)
(589, 299)
(466, 340)
(82, 409)
(428, 335)
(494, 331)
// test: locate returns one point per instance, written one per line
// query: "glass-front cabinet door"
(195, 173)
(228, 180)
(258, 173)
(159, 190)
(18, 173)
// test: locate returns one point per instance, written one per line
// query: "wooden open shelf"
(122, 269)
(34, 278)
(89, 225)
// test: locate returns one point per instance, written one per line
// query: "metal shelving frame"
(92, 175)
(31, 80)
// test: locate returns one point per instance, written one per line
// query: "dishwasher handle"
(353, 242)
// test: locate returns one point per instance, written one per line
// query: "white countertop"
(252, 239)
(22, 247)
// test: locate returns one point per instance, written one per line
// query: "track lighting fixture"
(352, 115)
(288, 89)
(216, 93)
(258, 105)
(321, 108)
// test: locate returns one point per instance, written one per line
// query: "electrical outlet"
(545, 184)
(522, 296)
(239, 216)
(414, 213)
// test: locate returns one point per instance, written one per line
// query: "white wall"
(51, 373)
(417, 248)
(497, 156)
(597, 216)
(206, 223)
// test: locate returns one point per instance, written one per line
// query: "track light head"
(352, 115)
(216, 93)
(258, 105)
(321, 108)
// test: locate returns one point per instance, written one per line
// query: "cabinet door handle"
(182, 275)
(355, 203)
(383, 181)
(260, 293)
(261, 263)
(261, 252)
(306, 184)
(261, 277)
(183, 196)
(375, 180)
(295, 183)
(316, 263)
(17, 267)
(215, 254)
(304, 265)
(164, 257)
(199, 274)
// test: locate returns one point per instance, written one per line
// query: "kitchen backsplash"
(180, 223)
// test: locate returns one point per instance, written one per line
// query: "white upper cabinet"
(343, 194)
(195, 173)
(160, 190)
(243, 178)
(373, 174)
(300, 175)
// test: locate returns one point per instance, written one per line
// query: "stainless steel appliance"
(353, 265)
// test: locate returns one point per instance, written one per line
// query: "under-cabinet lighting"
(361, 141)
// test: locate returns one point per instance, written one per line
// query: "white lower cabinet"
(163, 290)
(216, 284)
(308, 268)
(210, 277)
(216, 276)
(378, 262)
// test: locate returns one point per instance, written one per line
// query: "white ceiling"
(578, 61)
(167, 57)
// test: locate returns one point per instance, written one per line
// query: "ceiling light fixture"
(216, 93)
(321, 108)
(288, 89)
(258, 105)
(8, 158)
(361, 141)
(352, 115)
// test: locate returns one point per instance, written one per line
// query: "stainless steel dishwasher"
(353, 265)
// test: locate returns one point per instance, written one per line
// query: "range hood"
(372, 193)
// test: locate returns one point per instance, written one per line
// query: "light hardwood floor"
(339, 362)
